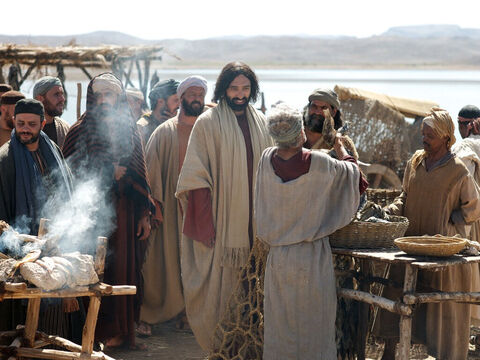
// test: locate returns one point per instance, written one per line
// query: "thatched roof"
(408, 107)
(76, 56)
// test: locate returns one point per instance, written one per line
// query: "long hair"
(228, 74)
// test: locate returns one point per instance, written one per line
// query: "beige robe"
(428, 200)
(216, 159)
(163, 295)
(295, 218)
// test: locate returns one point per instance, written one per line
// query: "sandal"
(144, 329)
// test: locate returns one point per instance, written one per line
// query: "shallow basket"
(382, 197)
(431, 245)
(367, 235)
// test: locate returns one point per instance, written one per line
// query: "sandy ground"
(167, 342)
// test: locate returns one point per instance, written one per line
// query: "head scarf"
(284, 124)
(469, 112)
(190, 81)
(11, 97)
(43, 85)
(90, 143)
(162, 90)
(108, 82)
(441, 123)
(29, 106)
(326, 95)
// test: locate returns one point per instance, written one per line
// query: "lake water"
(451, 89)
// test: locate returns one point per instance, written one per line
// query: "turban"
(11, 97)
(441, 123)
(469, 112)
(5, 88)
(190, 81)
(43, 85)
(285, 124)
(108, 82)
(325, 95)
(29, 106)
(162, 90)
(135, 93)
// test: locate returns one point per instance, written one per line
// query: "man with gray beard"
(165, 153)
(49, 91)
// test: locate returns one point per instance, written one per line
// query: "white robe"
(295, 219)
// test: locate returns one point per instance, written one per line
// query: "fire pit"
(27, 341)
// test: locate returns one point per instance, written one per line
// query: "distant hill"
(412, 46)
(426, 31)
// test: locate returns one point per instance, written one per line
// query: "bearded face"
(193, 108)
(54, 101)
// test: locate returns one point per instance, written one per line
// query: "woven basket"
(382, 197)
(431, 245)
(367, 235)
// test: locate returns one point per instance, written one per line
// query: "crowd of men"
(193, 185)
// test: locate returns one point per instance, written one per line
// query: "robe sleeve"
(469, 211)
(362, 183)
(198, 223)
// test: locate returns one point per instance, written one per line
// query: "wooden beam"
(36, 293)
(409, 285)
(90, 323)
(31, 322)
(57, 354)
(384, 303)
(28, 72)
(433, 297)
(86, 72)
(60, 342)
(139, 71)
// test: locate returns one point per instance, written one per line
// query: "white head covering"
(194, 80)
(107, 81)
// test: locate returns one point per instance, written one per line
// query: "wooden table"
(28, 341)
(405, 306)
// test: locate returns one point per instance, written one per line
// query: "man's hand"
(119, 171)
(474, 126)
(144, 227)
(339, 148)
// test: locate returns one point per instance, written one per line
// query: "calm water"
(450, 89)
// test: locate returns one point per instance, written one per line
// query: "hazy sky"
(200, 19)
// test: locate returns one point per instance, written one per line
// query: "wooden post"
(42, 227)
(79, 100)
(90, 323)
(409, 286)
(31, 322)
(100, 255)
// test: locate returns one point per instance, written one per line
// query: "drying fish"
(30, 257)
(371, 210)
(329, 133)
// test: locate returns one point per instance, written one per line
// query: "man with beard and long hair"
(313, 118)
(33, 173)
(49, 91)
(7, 107)
(105, 144)
(165, 152)
(215, 191)
(164, 103)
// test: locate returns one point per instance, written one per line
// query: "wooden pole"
(100, 255)
(90, 323)
(79, 100)
(36, 293)
(420, 298)
(387, 304)
(43, 227)
(409, 286)
(31, 322)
